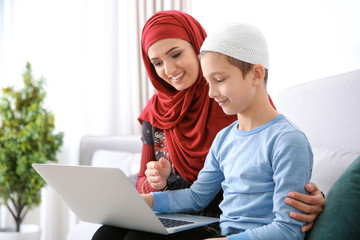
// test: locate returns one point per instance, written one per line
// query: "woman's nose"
(169, 69)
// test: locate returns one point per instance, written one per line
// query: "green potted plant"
(26, 137)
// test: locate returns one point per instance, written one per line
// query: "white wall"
(70, 43)
(307, 39)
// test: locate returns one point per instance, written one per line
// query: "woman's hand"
(311, 205)
(157, 173)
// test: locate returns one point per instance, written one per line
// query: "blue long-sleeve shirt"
(256, 170)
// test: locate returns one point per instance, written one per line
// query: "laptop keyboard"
(168, 223)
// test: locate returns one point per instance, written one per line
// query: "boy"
(259, 158)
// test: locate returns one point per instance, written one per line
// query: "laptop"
(106, 196)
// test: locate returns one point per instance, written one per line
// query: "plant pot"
(27, 232)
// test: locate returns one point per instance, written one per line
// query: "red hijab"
(189, 118)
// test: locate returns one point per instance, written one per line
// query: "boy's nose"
(212, 91)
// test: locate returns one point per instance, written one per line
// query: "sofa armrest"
(89, 144)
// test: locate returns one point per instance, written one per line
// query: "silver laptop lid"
(106, 196)
(94, 195)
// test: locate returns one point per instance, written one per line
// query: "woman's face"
(175, 61)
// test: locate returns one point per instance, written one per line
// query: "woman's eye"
(219, 80)
(156, 64)
(176, 55)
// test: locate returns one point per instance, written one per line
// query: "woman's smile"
(178, 78)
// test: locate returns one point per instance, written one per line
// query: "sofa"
(327, 110)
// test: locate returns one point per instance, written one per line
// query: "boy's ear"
(259, 74)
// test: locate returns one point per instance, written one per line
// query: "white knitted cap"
(240, 41)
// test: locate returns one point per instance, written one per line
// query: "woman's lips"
(178, 77)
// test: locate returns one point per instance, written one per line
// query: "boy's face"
(227, 85)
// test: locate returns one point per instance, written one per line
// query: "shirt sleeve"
(240, 236)
(292, 161)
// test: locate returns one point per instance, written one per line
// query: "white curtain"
(89, 52)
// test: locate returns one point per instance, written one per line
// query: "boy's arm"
(292, 164)
(195, 198)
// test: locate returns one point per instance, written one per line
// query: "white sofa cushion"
(128, 162)
(329, 164)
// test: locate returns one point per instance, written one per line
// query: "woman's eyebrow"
(171, 49)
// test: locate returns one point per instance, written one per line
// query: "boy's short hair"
(244, 67)
(243, 44)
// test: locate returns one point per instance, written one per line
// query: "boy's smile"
(227, 86)
(221, 103)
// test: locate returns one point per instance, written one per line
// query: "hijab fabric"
(189, 118)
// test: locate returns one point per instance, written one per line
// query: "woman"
(180, 121)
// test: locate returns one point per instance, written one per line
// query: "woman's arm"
(149, 168)
(147, 155)
(311, 205)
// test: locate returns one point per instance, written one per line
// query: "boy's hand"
(157, 173)
(311, 205)
(148, 199)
